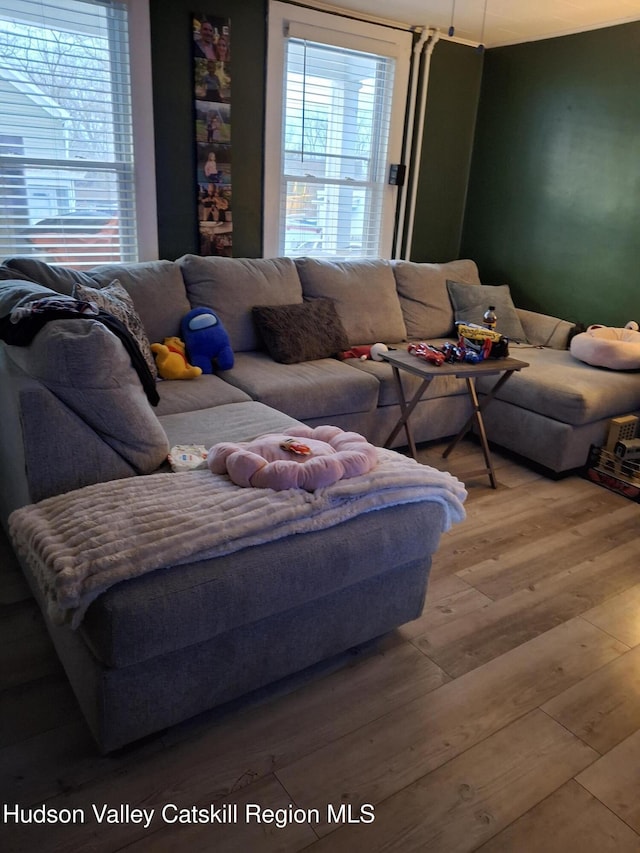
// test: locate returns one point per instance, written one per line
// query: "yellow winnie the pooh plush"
(172, 361)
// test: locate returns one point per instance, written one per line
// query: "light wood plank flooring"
(506, 718)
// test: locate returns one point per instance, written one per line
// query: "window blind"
(66, 143)
(337, 108)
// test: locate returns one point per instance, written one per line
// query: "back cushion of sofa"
(233, 286)
(61, 279)
(422, 289)
(364, 293)
(157, 290)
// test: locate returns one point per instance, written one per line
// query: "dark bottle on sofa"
(489, 318)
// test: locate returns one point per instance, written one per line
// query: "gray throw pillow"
(470, 301)
(301, 332)
(115, 300)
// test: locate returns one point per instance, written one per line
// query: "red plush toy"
(365, 352)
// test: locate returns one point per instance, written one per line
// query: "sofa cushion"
(561, 388)
(303, 331)
(61, 279)
(232, 286)
(440, 386)
(364, 293)
(7, 273)
(116, 301)
(227, 422)
(170, 609)
(86, 367)
(471, 301)
(424, 299)
(312, 389)
(205, 392)
(543, 330)
(157, 290)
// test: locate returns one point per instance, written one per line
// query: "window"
(67, 181)
(336, 97)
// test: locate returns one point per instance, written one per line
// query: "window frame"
(139, 173)
(338, 31)
(140, 70)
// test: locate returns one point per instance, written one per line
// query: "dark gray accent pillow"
(470, 301)
(115, 300)
(301, 332)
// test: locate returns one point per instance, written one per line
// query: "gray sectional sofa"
(157, 649)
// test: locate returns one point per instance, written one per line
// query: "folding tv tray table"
(504, 368)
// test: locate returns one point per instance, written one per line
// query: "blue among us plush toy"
(206, 340)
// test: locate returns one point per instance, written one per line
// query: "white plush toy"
(376, 350)
(372, 351)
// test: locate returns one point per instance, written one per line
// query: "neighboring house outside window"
(336, 99)
(67, 178)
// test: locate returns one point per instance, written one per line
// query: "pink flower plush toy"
(302, 458)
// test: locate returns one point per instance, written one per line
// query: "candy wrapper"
(188, 457)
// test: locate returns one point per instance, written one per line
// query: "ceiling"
(506, 21)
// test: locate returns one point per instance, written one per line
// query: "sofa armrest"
(545, 331)
(76, 413)
(45, 447)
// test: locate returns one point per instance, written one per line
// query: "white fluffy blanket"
(79, 544)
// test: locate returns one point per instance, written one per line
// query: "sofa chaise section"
(553, 411)
(158, 649)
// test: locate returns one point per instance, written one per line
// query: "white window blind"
(66, 146)
(337, 108)
(341, 119)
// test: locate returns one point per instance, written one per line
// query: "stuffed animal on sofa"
(171, 360)
(206, 340)
(303, 458)
(603, 346)
(364, 353)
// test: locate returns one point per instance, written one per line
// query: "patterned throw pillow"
(115, 300)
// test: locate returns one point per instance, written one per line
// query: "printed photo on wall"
(214, 166)
(213, 122)
(212, 132)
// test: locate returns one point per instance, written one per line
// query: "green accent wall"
(172, 66)
(452, 103)
(554, 195)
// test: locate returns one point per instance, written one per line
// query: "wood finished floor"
(506, 718)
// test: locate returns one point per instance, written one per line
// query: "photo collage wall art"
(212, 93)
